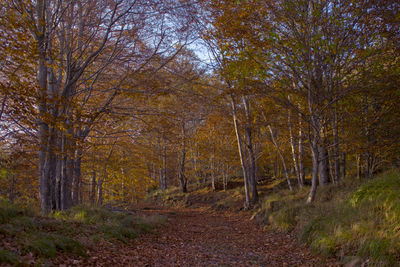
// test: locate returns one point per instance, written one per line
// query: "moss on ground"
(60, 232)
(349, 219)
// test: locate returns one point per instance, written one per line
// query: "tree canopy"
(103, 101)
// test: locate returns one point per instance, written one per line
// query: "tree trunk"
(67, 170)
(282, 158)
(182, 178)
(161, 166)
(77, 176)
(52, 169)
(314, 143)
(225, 177)
(314, 176)
(65, 192)
(293, 147)
(369, 164)
(336, 149)
(100, 193)
(58, 178)
(164, 165)
(252, 158)
(43, 129)
(101, 181)
(323, 165)
(241, 155)
(93, 189)
(343, 166)
(359, 166)
(212, 167)
(300, 155)
(330, 166)
(195, 163)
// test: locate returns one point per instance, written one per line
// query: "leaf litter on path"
(204, 238)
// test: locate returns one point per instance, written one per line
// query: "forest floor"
(196, 237)
(350, 225)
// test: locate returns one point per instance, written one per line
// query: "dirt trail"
(203, 238)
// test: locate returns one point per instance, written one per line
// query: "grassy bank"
(352, 222)
(345, 221)
(26, 237)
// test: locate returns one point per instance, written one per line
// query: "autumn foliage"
(104, 101)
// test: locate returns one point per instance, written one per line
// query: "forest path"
(204, 238)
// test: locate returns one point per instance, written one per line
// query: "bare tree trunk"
(252, 158)
(212, 168)
(343, 158)
(225, 177)
(58, 178)
(315, 166)
(103, 178)
(160, 167)
(323, 166)
(257, 153)
(93, 188)
(66, 178)
(195, 162)
(282, 158)
(315, 156)
(328, 148)
(182, 178)
(52, 168)
(331, 170)
(300, 155)
(369, 166)
(336, 149)
(367, 135)
(77, 176)
(293, 147)
(100, 185)
(100, 193)
(69, 167)
(164, 165)
(241, 155)
(343, 166)
(359, 166)
(43, 130)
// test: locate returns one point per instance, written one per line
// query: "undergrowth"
(344, 221)
(200, 195)
(349, 221)
(71, 231)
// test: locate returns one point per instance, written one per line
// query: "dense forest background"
(103, 101)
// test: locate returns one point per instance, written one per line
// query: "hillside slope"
(358, 223)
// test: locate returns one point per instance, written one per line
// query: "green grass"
(9, 211)
(63, 232)
(47, 245)
(9, 257)
(352, 219)
(114, 225)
